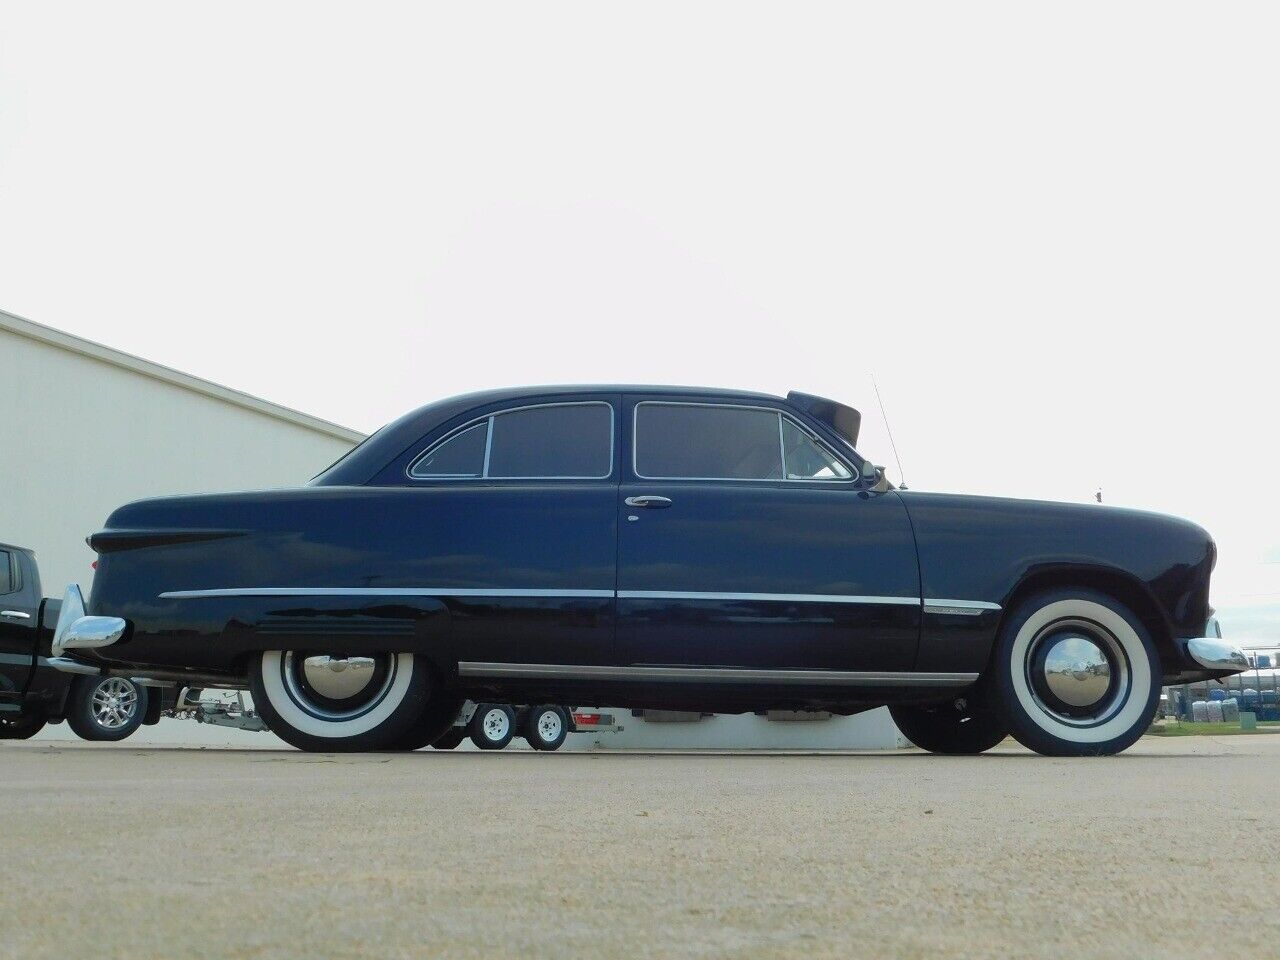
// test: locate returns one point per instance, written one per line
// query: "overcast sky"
(1051, 232)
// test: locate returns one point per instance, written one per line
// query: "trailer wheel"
(106, 708)
(451, 739)
(434, 723)
(546, 726)
(492, 726)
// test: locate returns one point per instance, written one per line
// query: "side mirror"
(870, 472)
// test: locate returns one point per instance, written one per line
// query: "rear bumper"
(77, 631)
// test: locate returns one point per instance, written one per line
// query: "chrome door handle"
(16, 614)
(651, 501)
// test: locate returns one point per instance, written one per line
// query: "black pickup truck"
(32, 693)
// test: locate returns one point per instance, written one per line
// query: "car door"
(19, 607)
(517, 508)
(746, 542)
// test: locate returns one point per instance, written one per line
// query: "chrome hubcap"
(549, 726)
(337, 688)
(338, 678)
(1077, 671)
(496, 723)
(114, 703)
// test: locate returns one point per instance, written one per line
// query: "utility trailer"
(490, 726)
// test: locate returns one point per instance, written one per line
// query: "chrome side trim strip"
(846, 678)
(379, 592)
(783, 597)
(970, 608)
(963, 608)
(67, 665)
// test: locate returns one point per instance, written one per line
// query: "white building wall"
(873, 730)
(80, 436)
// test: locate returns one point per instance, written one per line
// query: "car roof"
(366, 460)
(483, 397)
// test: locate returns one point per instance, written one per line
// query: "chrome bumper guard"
(1214, 653)
(76, 631)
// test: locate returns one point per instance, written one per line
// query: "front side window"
(563, 441)
(806, 458)
(7, 577)
(677, 441)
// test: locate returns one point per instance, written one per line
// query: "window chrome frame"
(488, 419)
(852, 479)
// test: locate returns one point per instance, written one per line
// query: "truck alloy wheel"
(546, 726)
(492, 726)
(1076, 673)
(105, 708)
(319, 701)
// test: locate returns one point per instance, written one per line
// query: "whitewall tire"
(1075, 674)
(332, 703)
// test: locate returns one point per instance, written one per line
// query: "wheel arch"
(1118, 584)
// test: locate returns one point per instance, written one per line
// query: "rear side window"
(8, 575)
(563, 441)
(686, 441)
(462, 455)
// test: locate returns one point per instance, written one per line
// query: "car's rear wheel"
(325, 702)
(105, 708)
(949, 728)
(1075, 673)
(450, 740)
(492, 726)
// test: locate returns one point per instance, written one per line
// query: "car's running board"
(843, 678)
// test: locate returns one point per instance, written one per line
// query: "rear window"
(8, 572)
(563, 441)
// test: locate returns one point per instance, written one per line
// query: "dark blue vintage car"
(653, 547)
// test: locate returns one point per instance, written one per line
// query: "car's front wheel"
(316, 701)
(1075, 673)
(105, 708)
(949, 728)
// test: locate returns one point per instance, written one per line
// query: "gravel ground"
(113, 851)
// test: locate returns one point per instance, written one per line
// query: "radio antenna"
(889, 430)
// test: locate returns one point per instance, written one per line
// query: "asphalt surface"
(111, 851)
